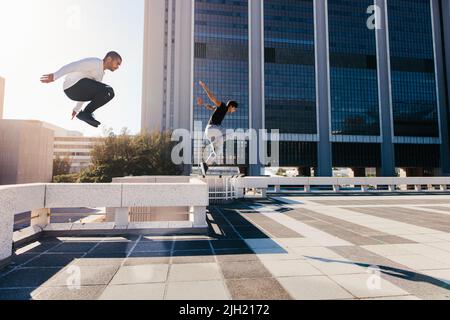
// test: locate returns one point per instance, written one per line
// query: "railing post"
(264, 192)
(198, 217)
(392, 188)
(40, 218)
(122, 217)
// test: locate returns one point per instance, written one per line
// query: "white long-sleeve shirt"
(91, 68)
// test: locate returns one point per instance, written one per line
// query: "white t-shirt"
(90, 68)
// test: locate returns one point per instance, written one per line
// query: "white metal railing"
(41, 198)
(222, 189)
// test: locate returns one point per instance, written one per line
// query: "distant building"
(2, 96)
(74, 146)
(26, 152)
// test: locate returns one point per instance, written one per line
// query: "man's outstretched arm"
(78, 66)
(207, 106)
(210, 94)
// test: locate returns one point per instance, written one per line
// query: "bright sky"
(40, 36)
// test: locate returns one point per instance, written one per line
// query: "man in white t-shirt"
(83, 84)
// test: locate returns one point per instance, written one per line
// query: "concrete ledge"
(164, 194)
(22, 198)
(83, 195)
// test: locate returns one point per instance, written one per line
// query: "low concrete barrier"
(40, 198)
(419, 184)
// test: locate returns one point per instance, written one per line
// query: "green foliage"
(61, 166)
(127, 155)
(281, 172)
(66, 178)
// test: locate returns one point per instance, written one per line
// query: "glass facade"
(353, 69)
(221, 57)
(221, 60)
(414, 95)
(290, 82)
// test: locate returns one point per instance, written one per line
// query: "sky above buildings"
(40, 36)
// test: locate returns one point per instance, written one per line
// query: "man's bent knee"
(110, 93)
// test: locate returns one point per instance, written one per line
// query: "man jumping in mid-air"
(215, 132)
(83, 84)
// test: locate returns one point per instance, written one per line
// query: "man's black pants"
(96, 92)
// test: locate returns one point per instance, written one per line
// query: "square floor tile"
(335, 267)
(314, 288)
(419, 262)
(183, 245)
(244, 270)
(201, 256)
(366, 286)
(28, 278)
(153, 291)
(199, 290)
(291, 268)
(257, 289)
(141, 274)
(194, 272)
(83, 275)
(53, 260)
(82, 294)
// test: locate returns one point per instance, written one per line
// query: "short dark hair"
(113, 55)
(232, 103)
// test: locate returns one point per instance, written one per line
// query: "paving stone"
(73, 247)
(28, 278)
(194, 272)
(141, 274)
(113, 247)
(291, 268)
(192, 245)
(52, 260)
(314, 288)
(153, 246)
(257, 289)
(17, 294)
(82, 294)
(365, 286)
(89, 276)
(198, 256)
(229, 244)
(200, 290)
(244, 270)
(153, 291)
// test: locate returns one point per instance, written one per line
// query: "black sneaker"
(95, 120)
(88, 118)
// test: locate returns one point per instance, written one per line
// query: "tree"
(281, 172)
(127, 155)
(61, 166)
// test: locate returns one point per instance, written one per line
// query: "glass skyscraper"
(348, 83)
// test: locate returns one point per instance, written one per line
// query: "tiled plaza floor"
(283, 248)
